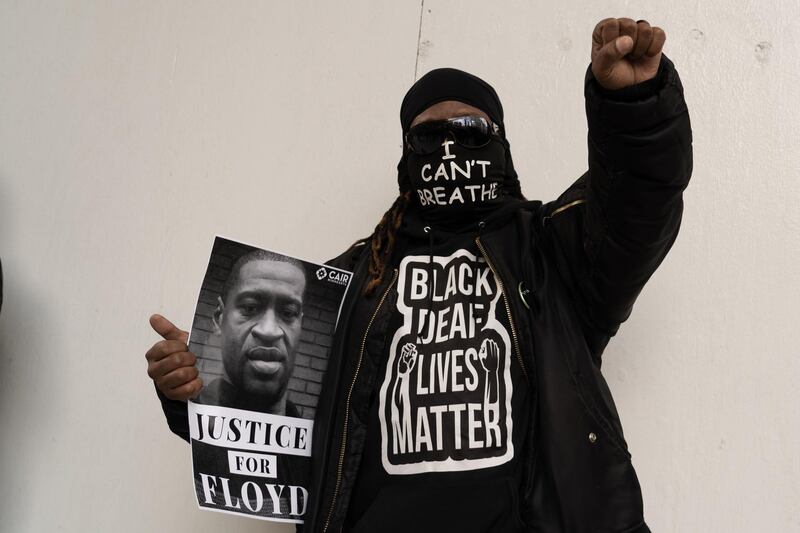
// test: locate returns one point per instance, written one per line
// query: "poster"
(262, 332)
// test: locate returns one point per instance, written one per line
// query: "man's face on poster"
(260, 322)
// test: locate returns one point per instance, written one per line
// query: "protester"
(464, 391)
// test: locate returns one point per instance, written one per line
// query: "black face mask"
(456, 184)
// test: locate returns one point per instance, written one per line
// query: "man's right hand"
(170, 363)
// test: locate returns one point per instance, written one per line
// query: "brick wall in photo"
(319, 318)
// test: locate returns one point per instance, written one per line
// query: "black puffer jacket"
(571, 270)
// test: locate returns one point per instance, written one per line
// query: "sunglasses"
(467, 131)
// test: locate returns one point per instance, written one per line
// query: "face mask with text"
(455, 180)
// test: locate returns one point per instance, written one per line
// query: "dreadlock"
(383, 240)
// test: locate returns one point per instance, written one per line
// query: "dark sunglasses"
(467, 131)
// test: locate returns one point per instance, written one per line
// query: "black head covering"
(450, 84)
(443, 84)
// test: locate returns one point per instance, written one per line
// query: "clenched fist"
(170, 363)
(625, 52)
(407, 359)
(489, 355)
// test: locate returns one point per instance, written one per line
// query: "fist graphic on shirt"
(489, 355)
(408, 357)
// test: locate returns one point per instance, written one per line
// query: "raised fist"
(489, 355)
(407, 359)
(625, 52)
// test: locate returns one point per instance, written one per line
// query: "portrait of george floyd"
(262, 330)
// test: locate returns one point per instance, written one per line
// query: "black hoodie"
(449, 407)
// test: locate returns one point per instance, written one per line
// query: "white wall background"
(131, 132)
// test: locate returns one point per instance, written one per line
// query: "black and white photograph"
(262, 329)
(261, 333)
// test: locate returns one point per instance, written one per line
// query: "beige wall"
(131, 132)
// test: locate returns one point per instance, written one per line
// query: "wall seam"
(419, 37)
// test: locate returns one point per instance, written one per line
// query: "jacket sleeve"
(177, 415)
(347, 260)
(630, 201)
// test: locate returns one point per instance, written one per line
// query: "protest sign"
(262, 331)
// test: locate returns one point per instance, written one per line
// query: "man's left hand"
(625, 52)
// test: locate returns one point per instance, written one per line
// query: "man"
(464, 390)
(259, 321)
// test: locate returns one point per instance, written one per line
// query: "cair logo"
(333, 276)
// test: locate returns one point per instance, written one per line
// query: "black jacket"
(571, 270)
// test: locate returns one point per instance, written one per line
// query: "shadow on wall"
(29, 388)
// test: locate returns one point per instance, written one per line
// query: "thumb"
(611, 53)
(167, 329)
(623, 45)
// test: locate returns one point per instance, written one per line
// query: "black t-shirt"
(450, 405)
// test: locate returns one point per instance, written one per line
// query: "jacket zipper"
(508, 306)
(347, 404)
(562, 208)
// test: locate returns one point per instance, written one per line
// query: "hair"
(257, 255)
(383, 241)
